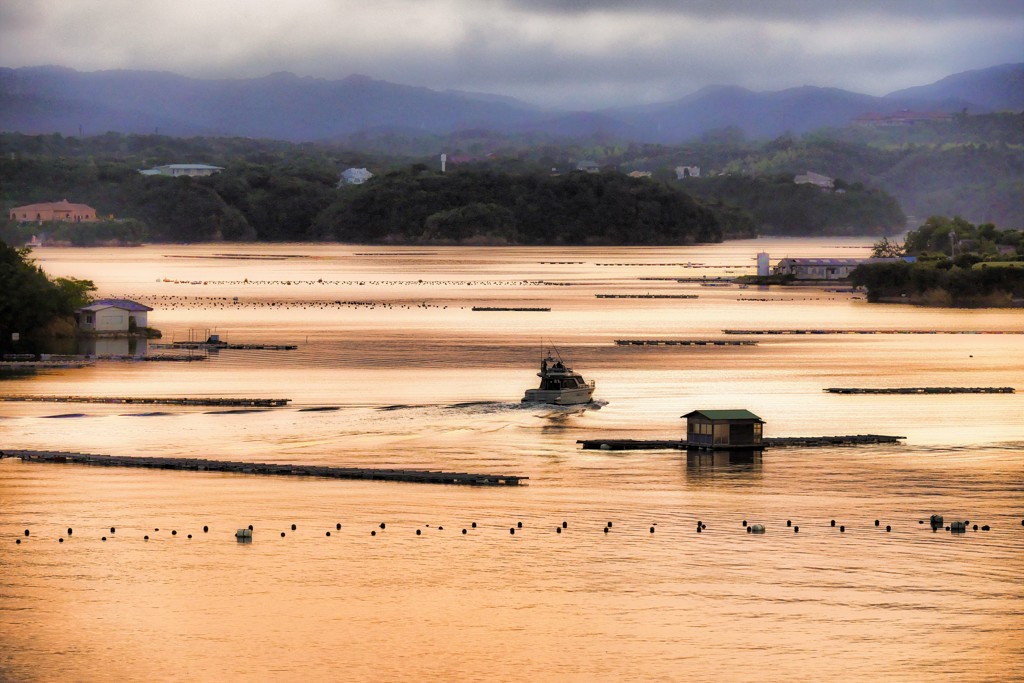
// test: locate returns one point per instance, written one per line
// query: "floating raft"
(217, 346)
(685, 342)
(234, 402)
(500, 308)
(768, 442)
(871, 332)
(646, 296)
(921, 390)
(203, 465)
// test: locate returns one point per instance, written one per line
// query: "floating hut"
(723, 429)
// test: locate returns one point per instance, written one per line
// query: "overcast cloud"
(578, 54)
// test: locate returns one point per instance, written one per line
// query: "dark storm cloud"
(578, 54)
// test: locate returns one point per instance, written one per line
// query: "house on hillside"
(53, 211)
(354, 176)
(112, 316)
(178, 170)
(588, 167)
(816, 179)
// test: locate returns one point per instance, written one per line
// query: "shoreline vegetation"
(983, 268)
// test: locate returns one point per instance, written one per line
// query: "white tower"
(762, 264)
(444, 159)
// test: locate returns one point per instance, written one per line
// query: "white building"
(687, 172)
(812, 178)
(588, 167)
(176, 170)
(354, 176)
(112, 315)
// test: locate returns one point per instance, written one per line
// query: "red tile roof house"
(112, 315)
(54, 211)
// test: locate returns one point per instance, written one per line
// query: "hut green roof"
(725, 415)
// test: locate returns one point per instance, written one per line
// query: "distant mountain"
(288, 107)
(999, 88)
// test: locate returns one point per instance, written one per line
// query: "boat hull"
(559, 397)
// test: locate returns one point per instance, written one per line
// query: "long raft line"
(204, 465)
(169, 401)
(767, 442)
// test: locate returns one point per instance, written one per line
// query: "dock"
(767, 442)
(921, 390)
(168, 401)
(204, 465)
(684, 342)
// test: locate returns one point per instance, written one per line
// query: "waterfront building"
(112, 315)
(724, 429)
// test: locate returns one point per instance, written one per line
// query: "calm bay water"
(387, 336)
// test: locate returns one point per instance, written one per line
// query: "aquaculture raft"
(767, 442)
(685, 342)
(203, 465)
(222, 402)
(921, 390)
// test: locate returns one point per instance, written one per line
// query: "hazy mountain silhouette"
(288, 107)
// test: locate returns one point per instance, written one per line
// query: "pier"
(169, 401)
(684, 342)
(921, 390)
(767, 442)
(216, 346)
(204, 465)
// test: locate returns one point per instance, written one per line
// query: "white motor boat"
(559, 385)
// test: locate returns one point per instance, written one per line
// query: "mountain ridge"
(285, 106)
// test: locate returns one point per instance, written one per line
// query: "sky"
(567, 54)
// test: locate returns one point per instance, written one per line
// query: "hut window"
(721, 433)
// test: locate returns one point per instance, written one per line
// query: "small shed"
(723, 429)
(112, 315)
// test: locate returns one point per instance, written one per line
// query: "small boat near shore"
(559, 385)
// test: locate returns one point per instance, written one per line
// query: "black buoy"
(174, 532)
(876, 522)
(250, 528)
(103, 538)
(382, 525)
(26, 532)
(519, 525)
(609, 525)
(698, 530)
(842, 528)
(145, 538)
(70, 531)
(796, 530)
(337, 526)
(463, 531)
(206, 529)
(985, 528)
(789, 522)
(652, 529)
(749, 530)
(190, 535)
(833, 522)
(159, 529)
(328, 533)
(558, 529)
(888, 528)
(474, 525)
(60, 540)
(282, 534)
(744, 522)
(565, 525)
(17, 542)
(512, 531)
(417, 532)
(373, 533)
(975, 527)
(703, 526)
(293, 527)
(112, 529)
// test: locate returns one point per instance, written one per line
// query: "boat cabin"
(723, 429)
